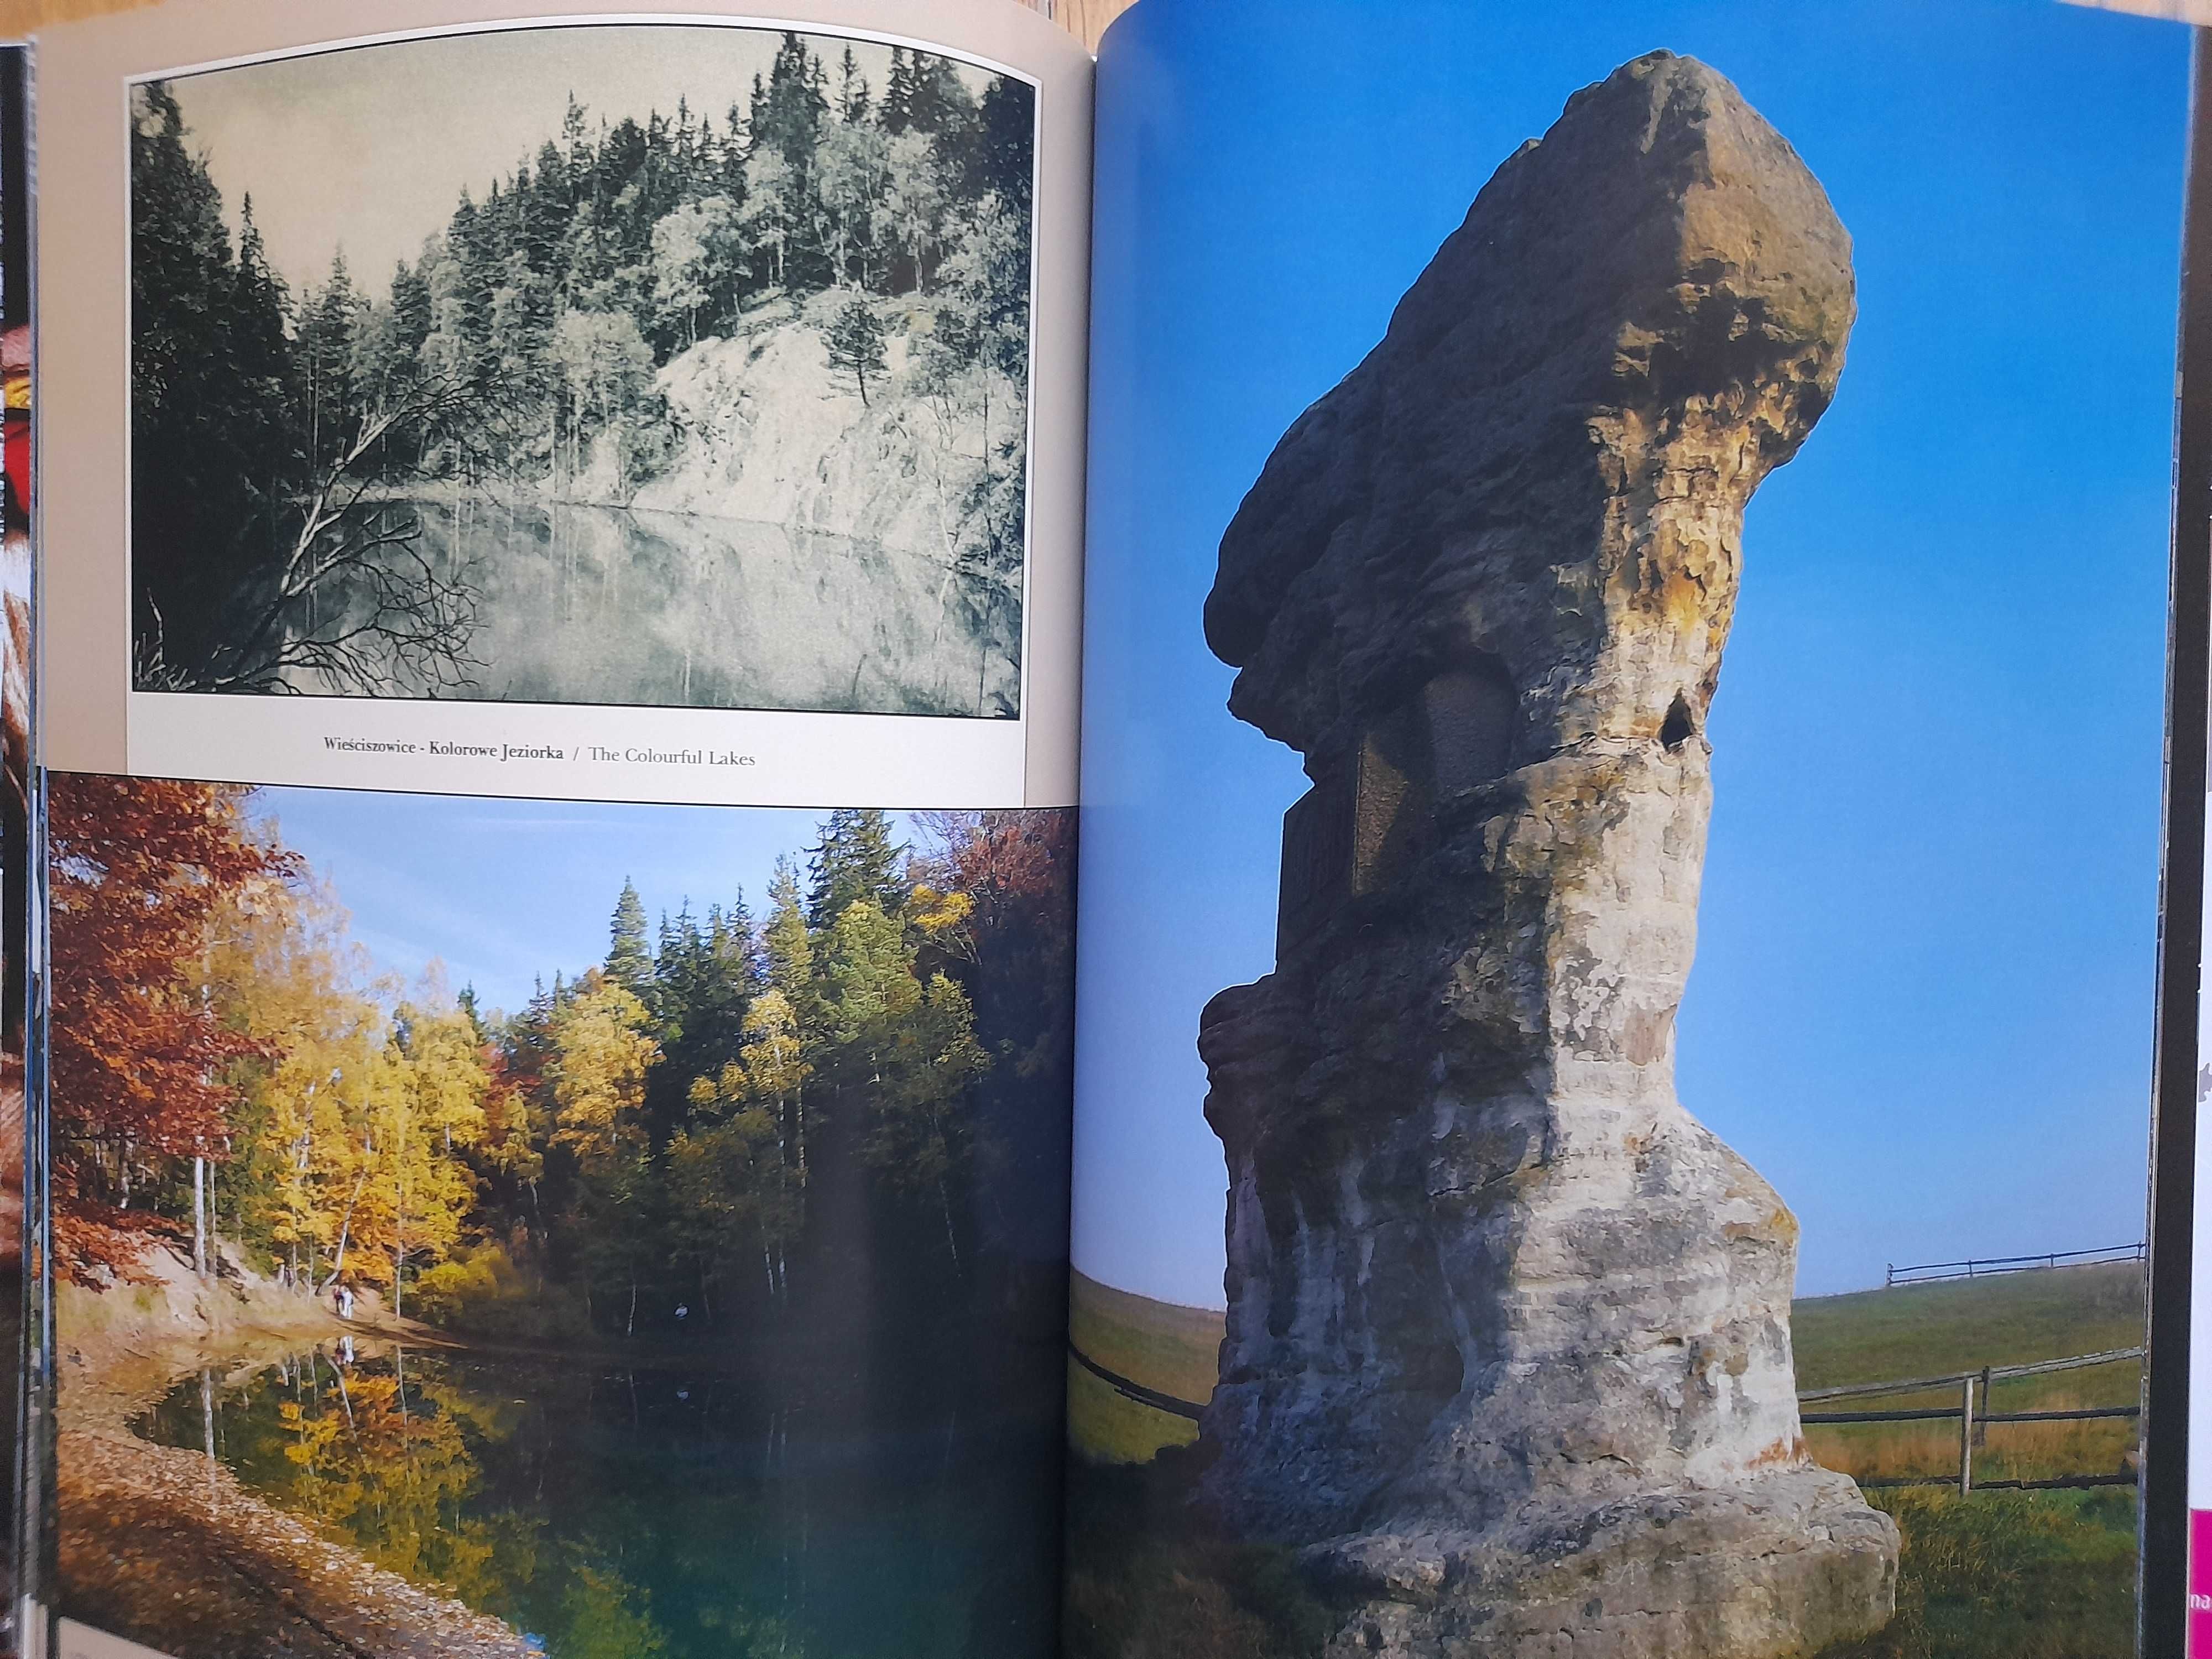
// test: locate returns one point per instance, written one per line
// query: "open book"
(580, 1099)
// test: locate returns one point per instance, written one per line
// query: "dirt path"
(164, 1546)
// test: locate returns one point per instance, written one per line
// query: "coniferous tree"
(938, 101)
(261, 358)
(905, 1051)
(855, 342)
(629, 961)
(575, 154)
(1001, 157)
(411, 309)
(856, 858)
(852, 90)
(789, 117)
(328, 332)
(699, 994)
(896, 110)
(471, 265)
(259, 303)
(545, 207)
(787, 948)
(211, 460)
(703, 979)
(524, 346)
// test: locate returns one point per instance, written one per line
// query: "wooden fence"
(1971, 1414)
(1937, 1272)
(1971, 1421)
(1136, 1391)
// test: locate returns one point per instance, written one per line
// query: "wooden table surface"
(1086, 19)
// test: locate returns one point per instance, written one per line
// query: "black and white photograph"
(657, 365)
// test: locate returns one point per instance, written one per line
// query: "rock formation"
(1509, 1343)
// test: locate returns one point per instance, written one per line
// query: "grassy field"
(1998, 1575)
(1168, 1349)
(1869, 1336)
(1916, 1330)
(1926, 1330)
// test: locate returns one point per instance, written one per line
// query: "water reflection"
(580, 604)
(622, 1513)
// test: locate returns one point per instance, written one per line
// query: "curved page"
(560, 546)
(1579, 1146)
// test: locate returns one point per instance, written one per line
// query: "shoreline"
(164, 1547)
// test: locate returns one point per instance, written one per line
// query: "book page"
(819, 590)
(560, 545)
(1581, 1143)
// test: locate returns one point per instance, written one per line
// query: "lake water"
(612, 1512)
(603, 605)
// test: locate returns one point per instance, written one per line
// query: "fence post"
(1981, 1423)
(1966, 1436)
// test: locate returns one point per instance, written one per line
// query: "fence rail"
(2061, 1483)
(1937, 1272)
(1995, 1373)
(1136, 1391)
(1971, 1422)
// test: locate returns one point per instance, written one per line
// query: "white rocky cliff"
(764, 429)
(1509, 1343)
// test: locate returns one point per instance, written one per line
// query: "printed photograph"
(653, 365)
(502, 1228)
(1582, 1145)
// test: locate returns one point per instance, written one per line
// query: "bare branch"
(354, 603)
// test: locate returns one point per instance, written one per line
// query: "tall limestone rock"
(1509, 1330)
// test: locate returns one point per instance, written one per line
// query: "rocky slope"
(764, 430)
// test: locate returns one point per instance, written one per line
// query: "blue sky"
(1922, 1004)
(501, 891)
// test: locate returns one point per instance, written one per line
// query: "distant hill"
(1161, 1345)
(1926, 1330)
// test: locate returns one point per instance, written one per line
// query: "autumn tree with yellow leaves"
(715, 1120)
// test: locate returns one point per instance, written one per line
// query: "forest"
(856, 1100)
(283, 442)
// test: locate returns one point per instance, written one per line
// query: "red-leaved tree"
(141, 1063)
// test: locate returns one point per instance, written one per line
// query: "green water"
(657, 1512)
